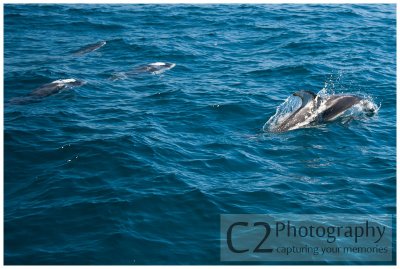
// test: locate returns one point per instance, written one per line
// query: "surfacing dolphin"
(153, 68)
(89, 48)
(46, 90)
(316, 109)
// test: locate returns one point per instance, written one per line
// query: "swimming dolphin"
(89, 48)
(152, 68)
(46, 90)
(315, 109)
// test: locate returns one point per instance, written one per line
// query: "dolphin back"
(89, 48)
(47, 90)
(336, 105)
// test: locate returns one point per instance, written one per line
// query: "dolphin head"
(78, 83)
(170, 65)
(368, 107)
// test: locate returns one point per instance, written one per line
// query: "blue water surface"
(138, 171)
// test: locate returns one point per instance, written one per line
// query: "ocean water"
(138, 170)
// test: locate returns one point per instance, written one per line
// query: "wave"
(13, 15)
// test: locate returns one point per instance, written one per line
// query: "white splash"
(283, 111)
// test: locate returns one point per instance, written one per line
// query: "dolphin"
(89, 48)
(46, 90)
(315, 109)
(152, 68)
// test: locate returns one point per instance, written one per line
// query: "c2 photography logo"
(293, 238)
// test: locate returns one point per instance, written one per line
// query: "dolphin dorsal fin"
(306, 96)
